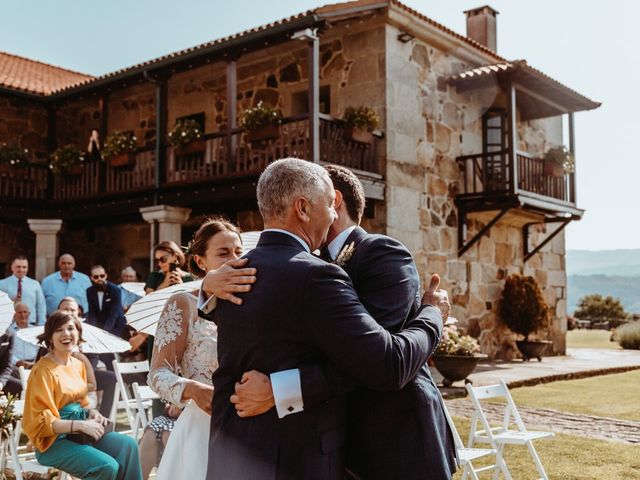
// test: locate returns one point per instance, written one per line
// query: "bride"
(185, 356)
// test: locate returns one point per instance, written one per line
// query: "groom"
(386, 281)
(302, 310)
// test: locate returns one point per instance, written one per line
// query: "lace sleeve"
(168, 347)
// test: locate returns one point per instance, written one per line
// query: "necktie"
(19, 294)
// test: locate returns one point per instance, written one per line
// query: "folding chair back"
(142, 394)
(466, 456)
(122, 399)
(510, 431)
(24, 379)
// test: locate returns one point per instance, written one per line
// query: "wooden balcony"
(226, 157)
(488, 179)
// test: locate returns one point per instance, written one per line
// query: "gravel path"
(604, 428)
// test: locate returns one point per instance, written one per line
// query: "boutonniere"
(345, 254)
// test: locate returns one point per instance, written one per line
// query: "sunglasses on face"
(96, 277)
(162, 259)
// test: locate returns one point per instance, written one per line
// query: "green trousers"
(114, 456)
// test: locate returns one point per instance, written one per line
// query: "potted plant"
(457, 354)
(67, 160)
(119, 149)
(558, 161)
(524, 312)
(261, 122)
(8, 417)
(186, 137)
(13, 160)
(359, 122)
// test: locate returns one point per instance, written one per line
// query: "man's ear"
(301, 208)
(339, 199)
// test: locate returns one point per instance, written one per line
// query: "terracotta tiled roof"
(24, 74)
(533, 76)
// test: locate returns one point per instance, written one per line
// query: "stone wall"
(428, 125)
(75, 120)
(16, 240)
(24, 123)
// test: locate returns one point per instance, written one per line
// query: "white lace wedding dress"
(185, 347)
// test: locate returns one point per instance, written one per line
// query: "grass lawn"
(568, 457)
(591, 339)
(616, 396)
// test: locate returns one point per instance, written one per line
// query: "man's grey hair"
(285, 180)
(128, 271)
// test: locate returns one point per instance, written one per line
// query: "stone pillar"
(166, 222)
(46, 231)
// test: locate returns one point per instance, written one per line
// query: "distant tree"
(597, 307)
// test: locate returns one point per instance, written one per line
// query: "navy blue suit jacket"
(111, 317)
(400, 434)
(300, 310)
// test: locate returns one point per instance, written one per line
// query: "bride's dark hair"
(198, 246)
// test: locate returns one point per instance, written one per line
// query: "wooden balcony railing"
(28, 183)
(489, 174)
(97, 179)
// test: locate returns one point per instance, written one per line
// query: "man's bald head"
(66, 264)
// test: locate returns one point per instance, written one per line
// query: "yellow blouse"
(51, 387)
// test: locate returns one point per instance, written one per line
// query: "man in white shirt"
(26, 290)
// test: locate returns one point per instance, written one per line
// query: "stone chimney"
(481, 26)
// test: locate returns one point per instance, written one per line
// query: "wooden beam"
(161, 132)
(314, 99)
(513, 138)
(572, 148)
(232, 109)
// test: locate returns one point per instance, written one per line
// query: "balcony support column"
(314, 98)
(52, 143)
(572, 148)
(161, 132)
(512, 131)
(46, 231)
(166, 223)
(104, 124)
(232, 109)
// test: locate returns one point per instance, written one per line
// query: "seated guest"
(23, 353)
(128, 275)
(6, 345)
(54, 412)
(104, 380)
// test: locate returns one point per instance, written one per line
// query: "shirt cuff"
(287, 392)
(207, 305)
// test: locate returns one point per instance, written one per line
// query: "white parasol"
(6, 311)
(249, 240)
(137, 288)
(144, 314)
(96, 340)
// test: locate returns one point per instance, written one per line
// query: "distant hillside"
(627, 289)
(604, 262)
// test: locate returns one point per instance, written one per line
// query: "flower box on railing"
(13, 171)
(191, 148)
(358, 135)
(123, 161)
(263, 133)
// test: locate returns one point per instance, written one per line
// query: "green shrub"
(561, 156)
(597, 307)
(628, 336)
(523, 309)
(13, 155)
(361, 117)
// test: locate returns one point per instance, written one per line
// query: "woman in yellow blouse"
(65, 434)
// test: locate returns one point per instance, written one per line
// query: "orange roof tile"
(32, 76)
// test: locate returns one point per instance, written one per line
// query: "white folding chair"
(142, 394)
(24, 379)
(122, 400)
(11, 457)
(466, 456)
(511, 430)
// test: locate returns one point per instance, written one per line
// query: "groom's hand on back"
(254, 395)
(437, 297)
(228, 279)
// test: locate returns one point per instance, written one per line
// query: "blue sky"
(590, 46)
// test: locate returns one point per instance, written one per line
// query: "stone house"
(455, 170)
